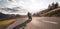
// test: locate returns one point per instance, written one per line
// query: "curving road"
(39, 23)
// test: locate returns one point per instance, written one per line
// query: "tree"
(53, 5)
(56, 5)
(49, 7)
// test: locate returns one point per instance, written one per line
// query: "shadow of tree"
(23, 25)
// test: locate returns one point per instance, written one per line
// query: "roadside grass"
(5, 23)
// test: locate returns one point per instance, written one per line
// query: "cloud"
(15, 10)
(12, 7)
(29, 5)
(11, 0)
(9, 9)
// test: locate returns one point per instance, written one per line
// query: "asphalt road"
(39, 23)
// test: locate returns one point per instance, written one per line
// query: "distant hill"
(6, 16)
(52, 13)
(10, 16)
(53, 10)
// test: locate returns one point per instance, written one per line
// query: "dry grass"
(50, 11)
(7, 22)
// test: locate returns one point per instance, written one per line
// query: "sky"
(31, 6)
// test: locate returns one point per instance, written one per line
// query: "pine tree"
(49, 7)
(53, 5)
(56, 5)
